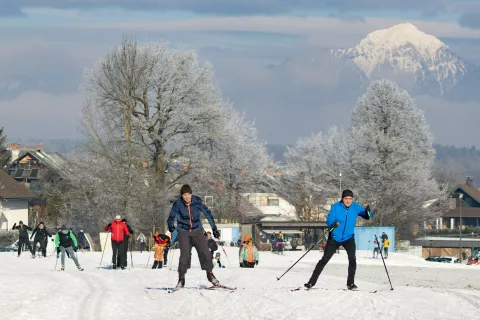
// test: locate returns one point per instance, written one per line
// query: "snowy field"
(31, 289)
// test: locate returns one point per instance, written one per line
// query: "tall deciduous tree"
(391, 156)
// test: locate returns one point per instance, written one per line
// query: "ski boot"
(114, 266)
(308, 285)
(80, 268)
(352, 287)
(180, 284)
(62, 268)
(212, 278)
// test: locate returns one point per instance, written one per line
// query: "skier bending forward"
(187, 211)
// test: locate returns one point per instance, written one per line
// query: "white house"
(271, 205)
(14, 198)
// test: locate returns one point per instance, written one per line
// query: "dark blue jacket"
(188, 216)
(347, 218)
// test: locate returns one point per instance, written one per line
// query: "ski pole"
(173, 254)
(104, 246)
(226, 255)
(131, 254)
(56, 261)
(381, 254)
(313, 245)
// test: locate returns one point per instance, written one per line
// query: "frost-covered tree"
(234, 162)
(150, 102)
(316, 163)
(391, 156)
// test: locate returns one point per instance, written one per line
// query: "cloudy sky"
(46, 44)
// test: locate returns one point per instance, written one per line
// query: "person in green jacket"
(64, 242)
(249, 254)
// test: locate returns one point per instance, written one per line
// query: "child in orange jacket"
(158, 249)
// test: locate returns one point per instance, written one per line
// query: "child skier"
(386, 243)
(158, 249)
(217, 257)
(249, 254)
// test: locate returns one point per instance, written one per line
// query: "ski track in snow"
(31, 288)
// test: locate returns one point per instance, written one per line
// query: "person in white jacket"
(142, 239)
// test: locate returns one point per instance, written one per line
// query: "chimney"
(470, 182)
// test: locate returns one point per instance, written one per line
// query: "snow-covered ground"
(31, 289)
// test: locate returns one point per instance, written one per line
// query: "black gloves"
(171, 228)
(216, 233)
(336, 224)
(58, 251)
(75, 249)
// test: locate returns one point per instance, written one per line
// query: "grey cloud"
(10, 9)
(249, 7)
(470, 20)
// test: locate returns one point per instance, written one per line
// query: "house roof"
(52, 160)
(466, 213)
(471, 191)
(11, 189)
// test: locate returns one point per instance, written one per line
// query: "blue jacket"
(188, 215)
(347, 218)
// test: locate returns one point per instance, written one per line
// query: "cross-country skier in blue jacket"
(186, 211)
(342, 217)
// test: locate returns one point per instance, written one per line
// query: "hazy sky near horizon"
(45, 45)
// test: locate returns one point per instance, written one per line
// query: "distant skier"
(158, 249)
(23, 237)
(249, 256)
(219, 262)
(119, 230)
(167, 248)
(342, 217)
(82, 241)
(212, 244)
(65, 241)
(186, 210)
(386, 243)
(375, 249)
(142, 241)
(125, 248)
(41, 233)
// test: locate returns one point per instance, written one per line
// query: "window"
(273, 202)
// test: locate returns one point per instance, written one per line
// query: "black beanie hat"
(185, 189)
(347, 193)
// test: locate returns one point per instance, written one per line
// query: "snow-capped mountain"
(406, 51)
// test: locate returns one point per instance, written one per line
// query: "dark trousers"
(157, 264)
(43, 246)
(125, 254)
(118, 248)
(330, 249)
(385, 252)
(247, 264)
(165, 255)
(200, 242)
(22, 242)
(142, 247)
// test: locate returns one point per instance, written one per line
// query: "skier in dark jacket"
(186, 211)
(82, 241)
(342, 217)
(23, 237)
(65, 241)
(212, 245)
(41, 233)
(125, 249)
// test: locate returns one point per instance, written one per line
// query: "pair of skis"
(174, 289)
(314, 289)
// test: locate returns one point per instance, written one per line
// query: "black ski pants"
(26, 242)
(330, 249)
(43, 246)
(165, 255)
(157, 264)
(200, 242)
(124, 253)
(118, 248)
